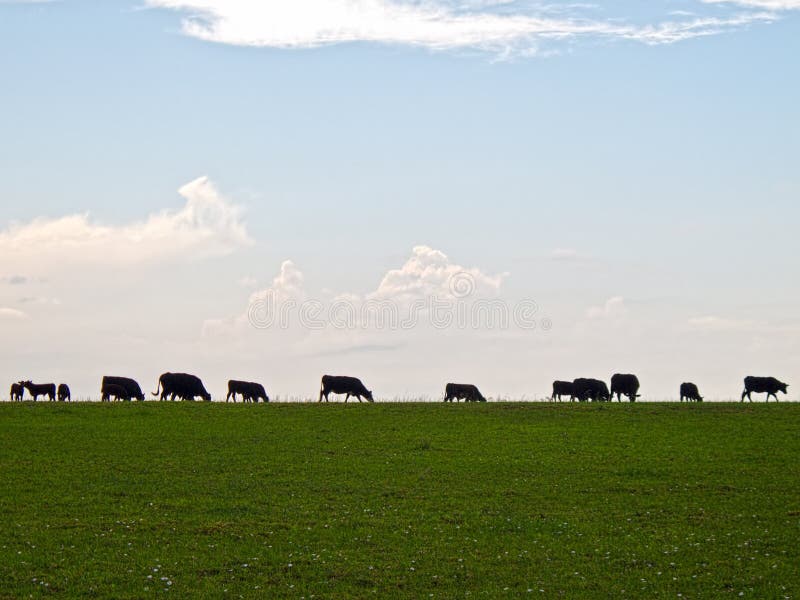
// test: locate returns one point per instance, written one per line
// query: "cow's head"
(369, 396)
(206, 396)
(783, 387)
(26, 383)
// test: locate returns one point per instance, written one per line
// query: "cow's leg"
(347, 397)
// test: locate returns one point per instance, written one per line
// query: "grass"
(399, 500)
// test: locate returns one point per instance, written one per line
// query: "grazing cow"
(17, 391)
(562, 388)
(351, 386)
(759, 385)
(690, 392)
(63, 393)
(44, 389)
(462, 391)
(129, 385)
(182, 385)
(590, 389)
(250, 392)
(118, 392)
(625, 385)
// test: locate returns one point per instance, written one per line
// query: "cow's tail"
(158, 388)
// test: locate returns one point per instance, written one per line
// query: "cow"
(590, 389)
(17, 391)
(182, 385)
(63, 393)
(250, 392)
(43, 389)
(131, 387)
(338, 384)
(759, 385)
(562, 388)
(690, 392)
(462, 391)
(625, 385)
(118, 392)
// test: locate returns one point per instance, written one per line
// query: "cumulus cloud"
(427, 274)
(503, 27)
(430, 273)
(207, 225)
(613, 307)
(264, 306)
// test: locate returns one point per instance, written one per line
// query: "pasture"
(439, 500)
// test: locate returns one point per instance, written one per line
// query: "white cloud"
(12, 313)
(427, 274)
(430, 273)
(437, 25)
(207, 225)
(613, 307)
(761, 4)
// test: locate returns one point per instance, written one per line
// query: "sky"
(413, 192)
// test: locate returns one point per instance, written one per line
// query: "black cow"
(63, 393)
(250, 392)
(759, 385)
(690, 392)
(562, 388)
(462, 391)
(339, 384)
(182, 385)
(625, 385)
(44, 389)
(130, 386)
(17, 391)
(590, 389)
(118, 392)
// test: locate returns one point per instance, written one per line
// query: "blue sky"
(634, 171)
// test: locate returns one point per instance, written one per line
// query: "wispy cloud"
(505, 28)
(762, 4)
(207, 225)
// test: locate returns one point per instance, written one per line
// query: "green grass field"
(400, 500)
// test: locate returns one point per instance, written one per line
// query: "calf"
(63, 393)
(17, 391)
(562, 388)
(44, 389)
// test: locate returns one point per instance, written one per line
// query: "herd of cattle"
(189, 387)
